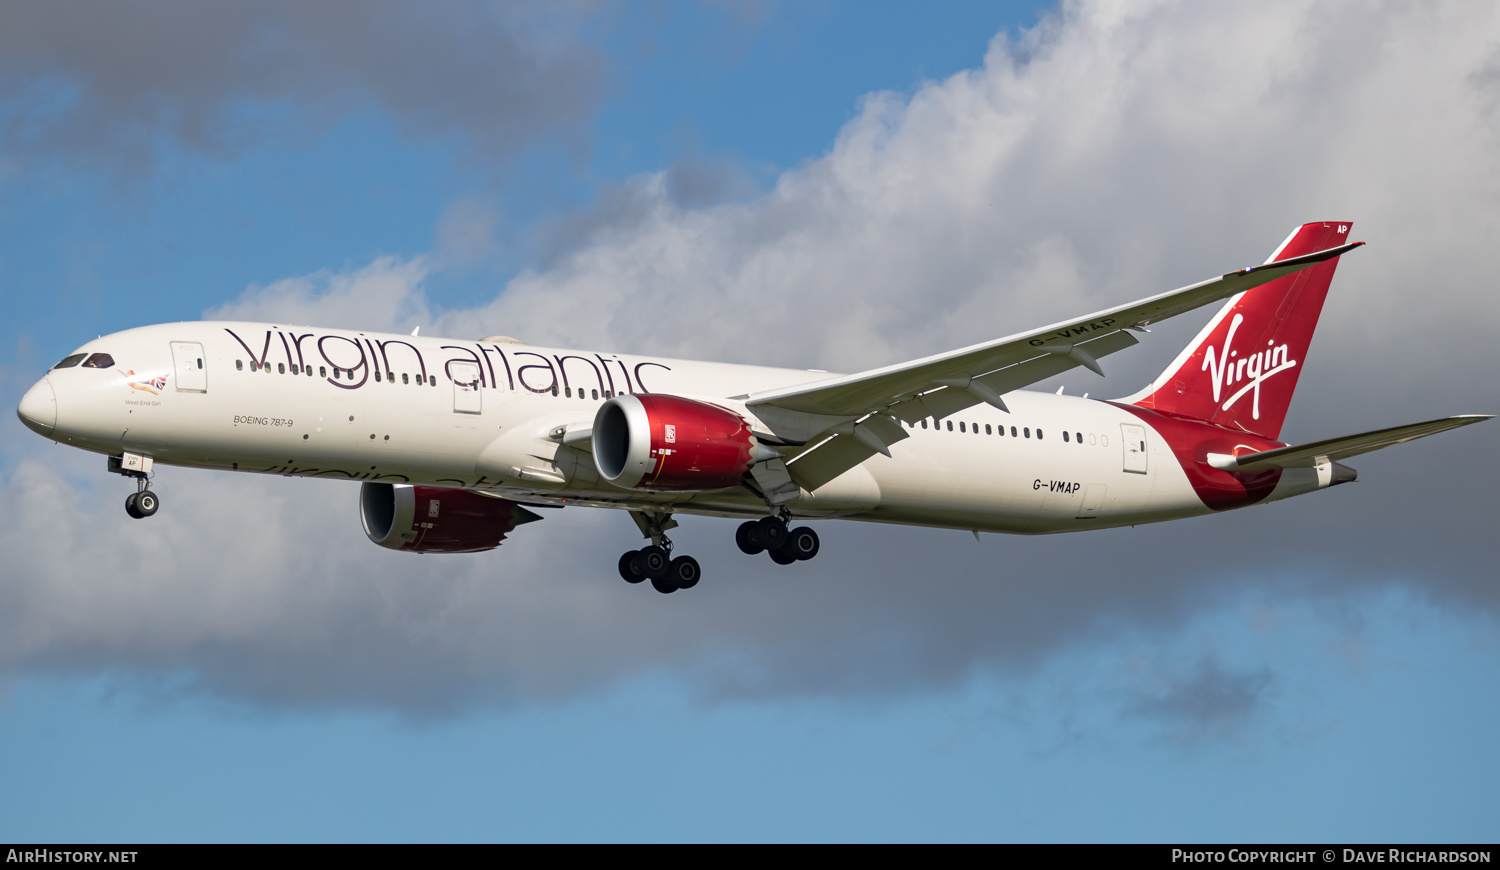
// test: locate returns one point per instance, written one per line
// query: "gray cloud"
(1205, 702)
(114, 82)
(1110, 155)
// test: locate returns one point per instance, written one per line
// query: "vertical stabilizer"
(1241, 370)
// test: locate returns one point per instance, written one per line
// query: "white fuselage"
(245, 410)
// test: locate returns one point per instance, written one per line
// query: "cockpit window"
(99, 361)
(69, 362)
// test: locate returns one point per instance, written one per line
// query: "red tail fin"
(1242, 368)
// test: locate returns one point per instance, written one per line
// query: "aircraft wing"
(977, 370)
(947, 383)
(1313, 452)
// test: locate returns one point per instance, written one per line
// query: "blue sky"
(886, 180)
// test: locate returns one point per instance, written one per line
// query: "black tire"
(770, 532)
(802, 542)
(664, 585)
(130, 507)
(629, 569)
(684, 572)
(783, 556)
(653, 562)
(146, 503)
(746, 538)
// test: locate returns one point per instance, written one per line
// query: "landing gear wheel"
(802, 542)
(783, 556)
(146, 503)
(653, 562)
(664, 585)
(630, 568)
(770, 533)
(130, 507)
(746, 538)
(684, 572)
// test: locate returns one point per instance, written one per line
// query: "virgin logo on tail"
(1224, 370)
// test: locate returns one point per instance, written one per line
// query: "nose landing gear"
(143, 502)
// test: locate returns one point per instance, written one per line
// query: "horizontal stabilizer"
(1314, 452)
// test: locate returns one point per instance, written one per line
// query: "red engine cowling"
(671, 444)
(435, 519)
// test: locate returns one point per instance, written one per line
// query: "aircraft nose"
(38, 408)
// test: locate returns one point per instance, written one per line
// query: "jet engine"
(671, 444)
(435, 519)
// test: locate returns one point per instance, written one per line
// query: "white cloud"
(386, 296)
(1120, 149)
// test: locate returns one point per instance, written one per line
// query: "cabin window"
(200, 362)
(568, 392)
(924, 422)
(986, 428)
(1065, 438)
(322, 371)
(404, 378)
(1012, 431)
(307, 370)
(239, 365)
(961, 426)
(99, 361)
(1077, 435)
(1027, 431)
(974, 427)
(594, 393)
(1038, 434)
(390, 377)
(950, 425)
(554, 390)
(281, 368)
(265, 367)
(70, 361)
(433, 379)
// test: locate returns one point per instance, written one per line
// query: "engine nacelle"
(671, 444)
(435, 519)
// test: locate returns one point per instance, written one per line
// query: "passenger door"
(466, 396)
(188, 367)
(1135, 447)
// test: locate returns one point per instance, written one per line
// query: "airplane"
(457, 442)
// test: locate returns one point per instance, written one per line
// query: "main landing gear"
(771, 535)
(143, 502)
(667, 574)
(655, 562)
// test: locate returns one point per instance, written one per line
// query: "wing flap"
(1343, 447)
(842, 451)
